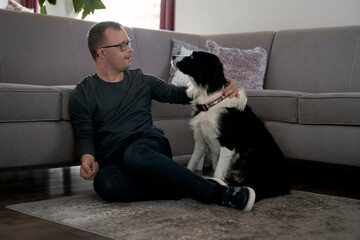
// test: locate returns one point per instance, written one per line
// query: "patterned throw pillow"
(176, 50)
(246, 67)
(179, 78)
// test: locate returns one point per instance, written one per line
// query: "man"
(128, 158)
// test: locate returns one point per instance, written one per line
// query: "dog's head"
(205, 70)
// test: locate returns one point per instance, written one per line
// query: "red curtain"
(34, 4)
(167, 15)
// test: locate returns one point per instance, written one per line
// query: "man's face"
(117, 59)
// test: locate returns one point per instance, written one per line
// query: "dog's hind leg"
(226, 158)
(197, 158)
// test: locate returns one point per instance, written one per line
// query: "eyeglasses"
(123, 46)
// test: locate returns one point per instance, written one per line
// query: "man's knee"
(108, 185)
(136, 155)
(104, 187)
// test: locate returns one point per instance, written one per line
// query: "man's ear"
(100, 53)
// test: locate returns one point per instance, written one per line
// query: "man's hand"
(89, 167)
(232, 90)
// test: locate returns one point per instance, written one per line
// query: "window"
(134, 13)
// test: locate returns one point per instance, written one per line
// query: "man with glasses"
(129, 158)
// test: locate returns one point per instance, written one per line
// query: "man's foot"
(242, 198)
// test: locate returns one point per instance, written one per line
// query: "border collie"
(242, 150)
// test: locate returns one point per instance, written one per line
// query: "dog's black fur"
(261, 164)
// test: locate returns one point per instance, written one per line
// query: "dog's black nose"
(173, 57)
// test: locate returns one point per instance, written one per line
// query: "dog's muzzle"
(175, 60)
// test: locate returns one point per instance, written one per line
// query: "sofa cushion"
(66, 91)
(320, 143)
(184, 49)
(241, 40)
(177, 45)
(22, 102)
(36, 143)
(154, 49)
(161, 111)
(330, 109)
(274, 105)
(178, 78)
(246, 66)
(43, 51)
(180, 135)
(315, 60)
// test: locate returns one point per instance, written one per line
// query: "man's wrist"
(87, 157)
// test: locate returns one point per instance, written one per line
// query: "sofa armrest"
(66, 91)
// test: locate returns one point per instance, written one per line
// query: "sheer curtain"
(167, 15)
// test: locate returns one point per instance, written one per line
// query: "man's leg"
(113, 183)
(148, 172)
(149, 160)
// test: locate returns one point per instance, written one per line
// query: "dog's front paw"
(238, 176)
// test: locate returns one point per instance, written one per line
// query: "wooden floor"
(17, 186)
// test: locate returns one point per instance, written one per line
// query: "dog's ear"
(220, 71)
(215, 67)
(215, 74)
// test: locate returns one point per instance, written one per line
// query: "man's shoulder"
(84, 86)
(86, 81)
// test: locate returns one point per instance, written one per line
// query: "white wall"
(231, 16)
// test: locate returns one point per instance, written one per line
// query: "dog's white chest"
(205, 125)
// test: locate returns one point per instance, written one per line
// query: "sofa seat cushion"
(162, 111)
(66, 91)
(330, 109)
(22, 102)
(274, 105)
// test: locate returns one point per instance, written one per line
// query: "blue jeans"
(145, 171)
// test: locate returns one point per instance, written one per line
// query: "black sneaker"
(242, 198)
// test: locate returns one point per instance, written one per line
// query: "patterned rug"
(300, 215)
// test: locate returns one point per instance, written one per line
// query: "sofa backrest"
(315, 60)
(154, 50)
(154, 46)
(44, 50)
(48, 50)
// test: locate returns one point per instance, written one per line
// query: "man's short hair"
(96, 36)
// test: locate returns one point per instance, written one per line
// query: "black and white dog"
(242, 150)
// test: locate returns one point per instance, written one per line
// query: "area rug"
(301, 215)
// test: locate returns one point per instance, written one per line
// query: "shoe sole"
(251, 200)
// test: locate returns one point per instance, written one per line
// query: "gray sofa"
(310, 101)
